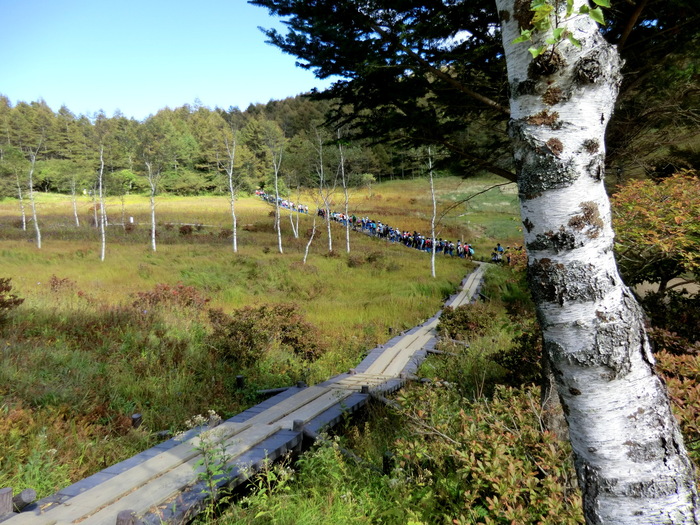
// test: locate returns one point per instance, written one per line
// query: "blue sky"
(139, 56)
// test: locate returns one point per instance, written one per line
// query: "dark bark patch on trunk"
(528, 224)
(602, 64)
(589, 220)
(552, 96)
(504, 15)
(555, 146)
(643, 452)
(591, 146)
(546, 64)
(557, 241)
(544, 118)
(593, 486)
(557, 283)
(523, 14)
(541, 172)
(596, 168)
(526, 87)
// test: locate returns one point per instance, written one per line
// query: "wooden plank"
(174, 481)
(113, 489)
(397, 365)
(289, 405)
(381, 363)
(311, 410)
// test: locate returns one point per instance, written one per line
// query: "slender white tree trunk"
(152, 182)
(276, 165)
(231, 157)
(74, 199)
(434, 215)
(94, 207)
(632, 465)
(103, 215)
(345, 194)
(32, 201)
(311, 239)
(295, 228)
(21, 202)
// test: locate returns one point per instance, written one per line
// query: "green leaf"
(584, 9)
(537, 51)
(525, 36)
(573, 40)
(569, 7)
(602, 3)
(597, 15)
(558, 32)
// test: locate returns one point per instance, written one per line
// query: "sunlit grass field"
(81, 354)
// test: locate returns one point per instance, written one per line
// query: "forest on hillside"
(191, 146)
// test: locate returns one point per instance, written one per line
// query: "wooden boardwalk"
(160, 485)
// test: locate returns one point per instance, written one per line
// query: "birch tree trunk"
(311, 239)
(74, 199)
(630, 458)
(276, 163)
(432, 218)
(152, 182)
(231, 157)
(21, 203)
(103, 215)
(346, 196)
(32, 201)
(325, 193)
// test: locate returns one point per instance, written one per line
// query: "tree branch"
(438, 72)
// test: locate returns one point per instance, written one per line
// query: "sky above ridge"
(139, 56)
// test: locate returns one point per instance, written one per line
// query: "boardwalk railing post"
(240, 382)
(126, 517)
(5, 501)
(24, 498)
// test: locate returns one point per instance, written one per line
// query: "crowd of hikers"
(384, 231)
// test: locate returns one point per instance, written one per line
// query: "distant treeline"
(195, 149)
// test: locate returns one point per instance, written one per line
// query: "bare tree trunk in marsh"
(32, 200)
(153, 183)
(311, 239)
(103, 214)
(434, 215)
(21, 202)
(230, 146)
(278, 226)
(345, 194)
(74, 200)
(631, 462)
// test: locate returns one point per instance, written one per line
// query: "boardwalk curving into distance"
(160, 484)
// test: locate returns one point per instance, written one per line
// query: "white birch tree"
(346, 194)
(630, 458)
(434, 214)
(229, 141)
(32, 200)
(21, 202)
(101, 204)
(275, 143)
(158, 151)
(326, 189)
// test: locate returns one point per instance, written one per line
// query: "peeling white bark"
(630, 458)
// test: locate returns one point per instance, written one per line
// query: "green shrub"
(249, 332)
(467, 321)
(8, 301)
